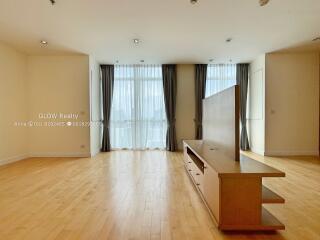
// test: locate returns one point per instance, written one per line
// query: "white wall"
(185, 108)
(59, 84)
(256, 105)
(95, 107)
(292, 104)
(13, 105)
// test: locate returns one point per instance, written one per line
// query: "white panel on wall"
(255, 96)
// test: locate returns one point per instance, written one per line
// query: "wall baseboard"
(44, 155)
(258, 151)
(60, 154)
(291, 153)
(8, 160)
(94, 153)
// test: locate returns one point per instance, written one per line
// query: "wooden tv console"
(232, 190)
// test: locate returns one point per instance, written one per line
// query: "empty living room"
(159, 120)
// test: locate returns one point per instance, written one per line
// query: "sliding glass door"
(138, 119)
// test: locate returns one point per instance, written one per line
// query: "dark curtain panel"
(107, 77)
(242, 81)
(169, 76)
(200, 88)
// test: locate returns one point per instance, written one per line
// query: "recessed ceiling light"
(136, 41)
(211, 60)
(316, 39)
(43, 42)
(263, 2)
(228, 40)
(193, 1)
(142, 61)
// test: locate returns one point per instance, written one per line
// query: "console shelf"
(232, 190)
(229, 183)
(268, 223)
(269, 196)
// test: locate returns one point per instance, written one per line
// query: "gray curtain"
(169, 76)
(107, 78)
(200, 88)
(242, 81)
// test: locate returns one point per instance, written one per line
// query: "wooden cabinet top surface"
(227, 167)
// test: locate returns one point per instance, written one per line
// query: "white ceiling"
(171, 31)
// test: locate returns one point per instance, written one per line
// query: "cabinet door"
(198, 178)
(211, 191)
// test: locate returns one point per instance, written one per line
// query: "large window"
(220, 77)
(138, 119)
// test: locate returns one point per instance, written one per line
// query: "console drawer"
(198, 178)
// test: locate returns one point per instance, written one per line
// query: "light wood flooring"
(139, 195)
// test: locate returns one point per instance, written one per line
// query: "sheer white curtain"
(220, 77)
(138, 119)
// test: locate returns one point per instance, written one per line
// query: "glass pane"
(138, 119)
(220, 77)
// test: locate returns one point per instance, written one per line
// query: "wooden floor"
(136, 196)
